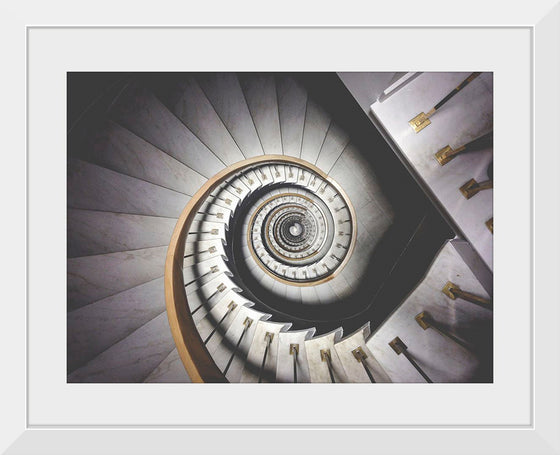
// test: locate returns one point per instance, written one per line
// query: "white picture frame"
(36, 400)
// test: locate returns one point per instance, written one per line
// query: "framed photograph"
(255, 204)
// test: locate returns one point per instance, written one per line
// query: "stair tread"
(192, 106)
(292, 103)
(115, 147)
(97, 326)
(93, 232)
(92, 187)
(260, 93)
(284, 367)
(131, 359)
(91, 278)
(170, 370)
(225, 94)
(317, 123)
(146, 116)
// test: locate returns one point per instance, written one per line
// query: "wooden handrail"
(193, 353)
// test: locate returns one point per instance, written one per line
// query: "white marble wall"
(285, 360)
(256, 352)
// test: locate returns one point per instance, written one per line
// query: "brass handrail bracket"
(472, 187)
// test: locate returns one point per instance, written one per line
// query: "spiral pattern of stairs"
(283, 257)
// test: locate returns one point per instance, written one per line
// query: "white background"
(47, 298)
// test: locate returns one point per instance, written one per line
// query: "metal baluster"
(453, 291)
(422, 120)
(220, 288)
(268, 338)
(473, 187)
(230, 308)
(447, 153)
(326, 357)
(246, 323)
(425, 321)
(400, 348)
(361, 356)
(294, 351)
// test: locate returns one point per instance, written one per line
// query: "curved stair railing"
(192, 349)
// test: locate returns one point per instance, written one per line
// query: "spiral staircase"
(257, 228)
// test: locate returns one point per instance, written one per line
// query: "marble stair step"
(238, 186)
(141, 112)
(206, 230)
(355, 371)
(292, 104)
(200, 273)
(318, 369)
(250, 180)
(202, 307)
(223, 197)
(170, 370)
(285, 363)
(93, 232)
(211, 321)
(223, 352)
(336, 141)
(92, 278)
(317, 123)
(325, 293)
(256, 352)
(260, 94)
(96, 327)
(91, 187)
(209, 292)
(225, 93)
(189, 103)
(199, 251)
(131, 359)
(115, 147)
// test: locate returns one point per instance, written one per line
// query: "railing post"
(400, 348)
(472, 187)
(453, 291)
(268, 339)
(232, 305)
(425, 321)
(446, 154)
(326, 357)
(422, 120)
(246, 324)
(294, 351)
(361, 356)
